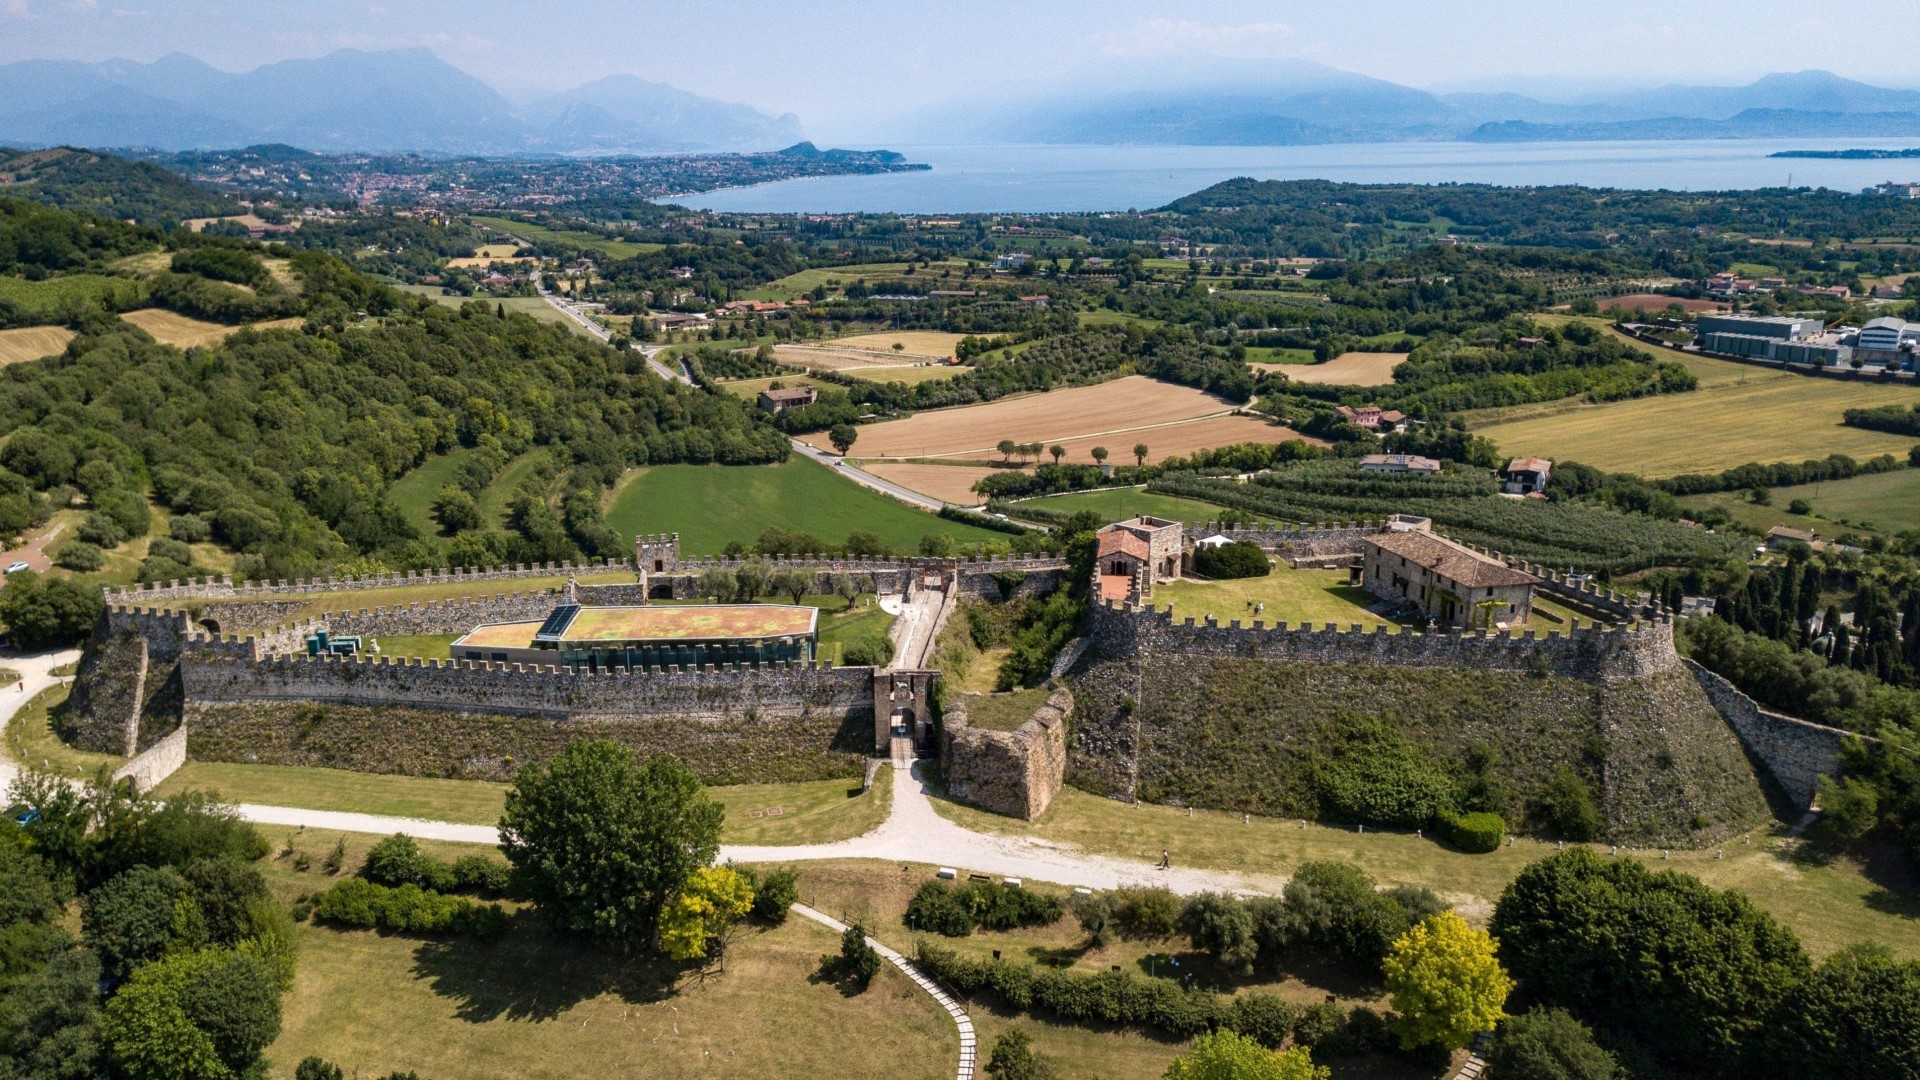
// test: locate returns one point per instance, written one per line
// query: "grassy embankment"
(1886, 502)
(710, 505)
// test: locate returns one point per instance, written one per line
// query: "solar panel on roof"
(557, 621)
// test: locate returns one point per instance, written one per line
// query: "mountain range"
(396, 101)
(411, 100)
(1305, 103)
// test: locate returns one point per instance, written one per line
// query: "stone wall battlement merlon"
(224, 587)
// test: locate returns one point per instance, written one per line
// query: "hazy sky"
(844, 65)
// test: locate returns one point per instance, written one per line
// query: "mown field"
(1739, 414)
(172, 328)
(32, 343)
(709, 505)
(1884, 502)
(538, 234)
(525, 305)
(914, 344)
(1110, 410)
(1348, 369)
(949, 483)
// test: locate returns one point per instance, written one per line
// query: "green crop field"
(1884, 502)
(709, 505)
(48, 301)
(1114, 504)
(538, 234)
(1739, 414)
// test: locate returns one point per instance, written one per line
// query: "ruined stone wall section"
(771, 690)
(1124, 631)
(1797, 753)
(1017, 772)
(157, 762)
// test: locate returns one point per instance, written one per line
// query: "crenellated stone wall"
(223, 588)
(1017, 772)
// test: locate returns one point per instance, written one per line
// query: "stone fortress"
(1145, 706)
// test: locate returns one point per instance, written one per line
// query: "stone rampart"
(223, 588)
(157, 762)
(614, 594)
(1796, 753)
(1123, 631)
(771, 690)
(1017, 772)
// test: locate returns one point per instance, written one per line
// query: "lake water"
(1039, 179)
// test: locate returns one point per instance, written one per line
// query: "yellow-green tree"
(1446, 984)
(1228, 1055)
(712, 900)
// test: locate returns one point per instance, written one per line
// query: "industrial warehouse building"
(651, 637)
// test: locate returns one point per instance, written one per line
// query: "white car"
(17, 567)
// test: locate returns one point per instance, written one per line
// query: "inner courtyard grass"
(710, 505)
(1829, 904)
(1003, 712)
(1291, 596)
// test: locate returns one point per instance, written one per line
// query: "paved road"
(646, 351)
(866, 479)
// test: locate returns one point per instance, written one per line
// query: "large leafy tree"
(1447, 986)
(194, 1016)
(604, 842)
(1857, 1016)
(1227, 1055)
(45, 612)
(711, 901)
(1693, 971)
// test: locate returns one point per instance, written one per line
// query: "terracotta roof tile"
(1455, 562)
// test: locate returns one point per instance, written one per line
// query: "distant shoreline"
(1849, 155)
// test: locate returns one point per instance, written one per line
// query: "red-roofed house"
(1131, 555)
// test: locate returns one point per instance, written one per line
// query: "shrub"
(858, 961)
(875, 651)
(1476, 833)
(190, 529)
(1566, 808)
(98, 528)
(773, 895)
(1226, 1054)
(1013, 1058)
(79, 556)
(1239, 559)
(936, 908)
(481, 875)
(1264, 1018)
(1144, 911)
(409, 909)
(1220, 925)
(1094, 912)
(317, 1068)
(1377, 777)
(1334, 906)
(1549, 1044)
(1317, 1023)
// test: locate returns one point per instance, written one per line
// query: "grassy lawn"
(709, 505)
(1739, 414)
(1883, 502)
(1291, 596)
(808, 812)
(840, 627)
(1116, 504)
(414, 492)
(539, 234)
(1004, 712)
(750, 389)
(424, 646)
(1829, 906)
(32, 742)
(533, 1006)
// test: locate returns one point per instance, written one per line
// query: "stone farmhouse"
(1134, 554)
(1454, 584)
(792, 397)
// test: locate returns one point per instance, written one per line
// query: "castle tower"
(657, 554)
